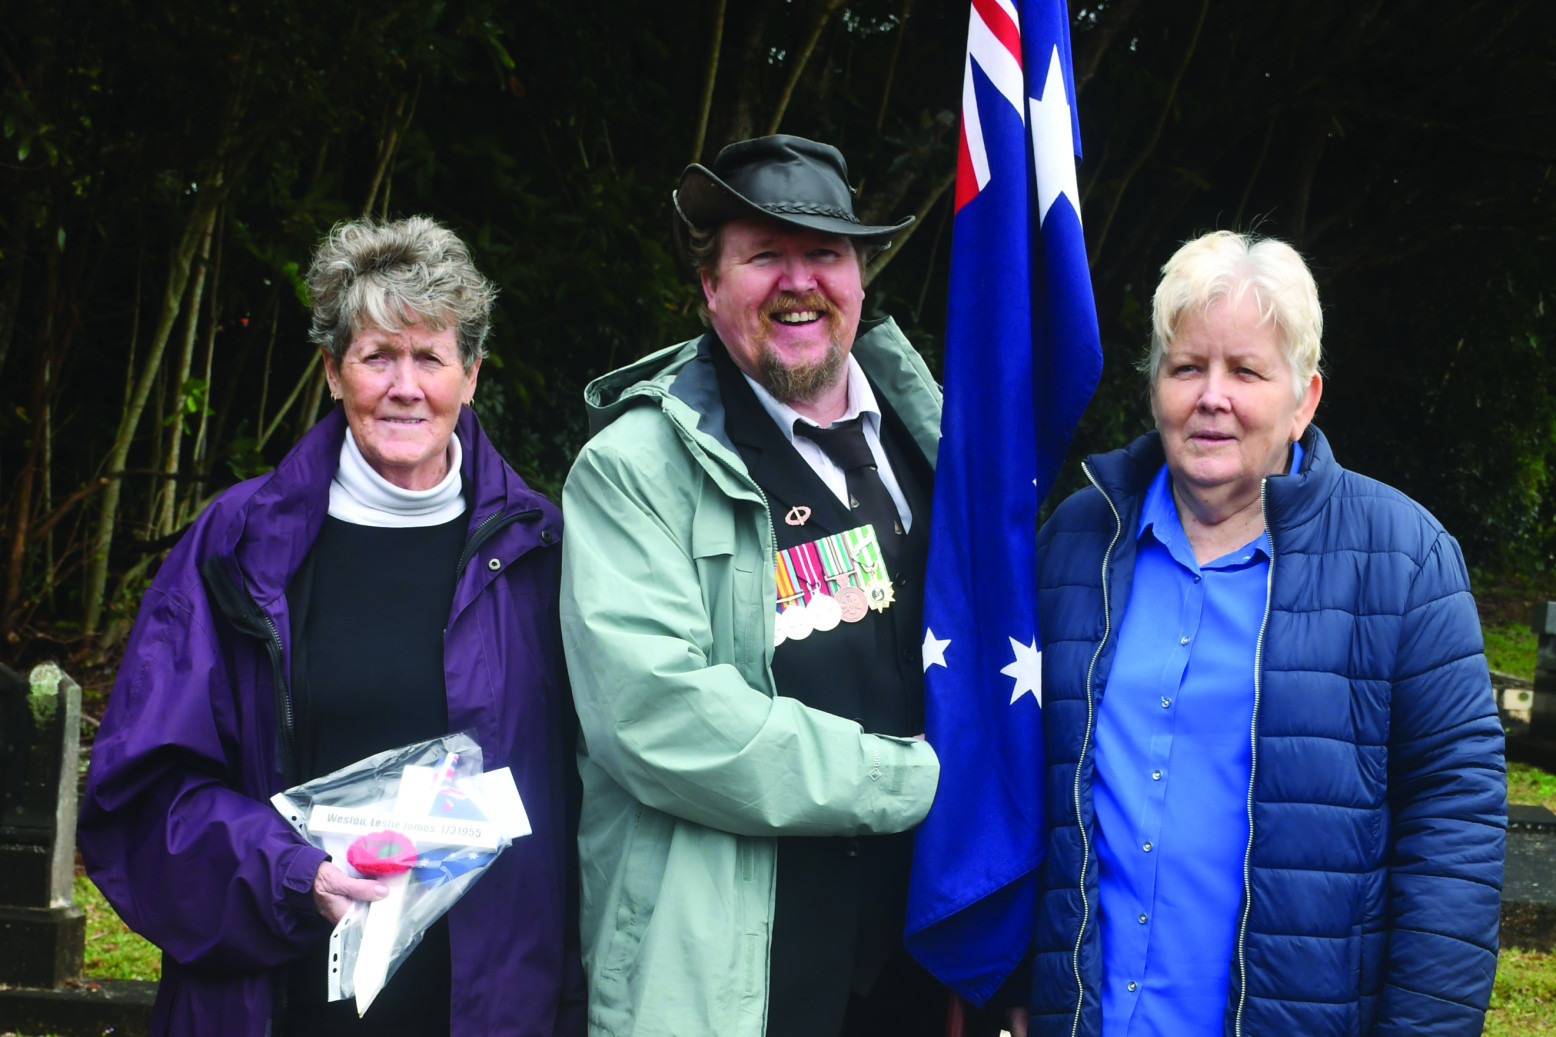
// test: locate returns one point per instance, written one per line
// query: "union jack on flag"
(1022, 359)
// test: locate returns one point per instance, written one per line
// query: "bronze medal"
(852, 604)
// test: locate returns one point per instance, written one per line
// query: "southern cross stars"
(1027, 669)
(934, 649)
(1053, 142)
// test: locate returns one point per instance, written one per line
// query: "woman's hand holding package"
(334, 890)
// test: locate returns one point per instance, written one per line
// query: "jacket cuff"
(903, 774)
(297, 879)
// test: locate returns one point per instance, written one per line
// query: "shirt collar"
(1159, 515)
(861, 400)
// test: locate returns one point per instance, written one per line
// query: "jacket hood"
(610, 395)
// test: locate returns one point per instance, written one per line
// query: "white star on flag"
(1053, 142)
(1027, 669)
(934, 650)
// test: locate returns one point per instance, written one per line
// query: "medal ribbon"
(807, 560)
(866, 553)
(835, 560)
(785, 576)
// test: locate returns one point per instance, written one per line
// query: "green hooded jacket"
(691, 762)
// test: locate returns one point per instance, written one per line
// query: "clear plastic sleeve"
(425, 820)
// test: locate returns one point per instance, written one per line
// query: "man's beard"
(802, 383)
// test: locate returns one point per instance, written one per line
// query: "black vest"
(841, 902)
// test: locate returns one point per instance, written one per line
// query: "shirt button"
(1133, 986)
(1166, 701)
(1142, 918)
(1183, 640)
(1196, 579)
(1147, 847)
(1156, 775)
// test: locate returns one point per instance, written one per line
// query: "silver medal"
(797, 623)
(824, 611)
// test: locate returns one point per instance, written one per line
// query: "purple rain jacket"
(176, 828)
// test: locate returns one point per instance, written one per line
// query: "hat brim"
(703, 201)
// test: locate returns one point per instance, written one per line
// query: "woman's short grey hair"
(1224, 266)
(394, 273)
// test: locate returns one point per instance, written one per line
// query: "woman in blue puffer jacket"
(1277, 794)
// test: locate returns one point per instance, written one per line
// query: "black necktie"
(845, 445)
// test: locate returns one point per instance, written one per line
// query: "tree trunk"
(180, 262)
(168, 499)
(715, 42)
(310, 412)
(891, 66)
(264, 382)
(828, 8)
(1094, 249)
(309, 380)
(389, 145)
(748, 67)
(941, 187)
(11, 278)
(21, 500)
(188, 510)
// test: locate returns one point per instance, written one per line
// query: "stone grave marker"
(42, 931)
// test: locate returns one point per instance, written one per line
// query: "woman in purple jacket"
(392, 580)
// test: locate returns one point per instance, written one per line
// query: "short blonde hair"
(1224, 266)
(394, 273)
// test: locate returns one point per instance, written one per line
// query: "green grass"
(1523, 1002)
(1527, 784)
(112, 950)
(1510, 648)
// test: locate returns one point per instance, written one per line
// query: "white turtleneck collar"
(362, 497)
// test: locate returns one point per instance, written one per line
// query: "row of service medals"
(837, 579)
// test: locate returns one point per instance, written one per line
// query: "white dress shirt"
(861, 400)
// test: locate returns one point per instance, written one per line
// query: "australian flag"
(1022, 359)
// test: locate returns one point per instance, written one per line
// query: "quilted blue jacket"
(1378, 798)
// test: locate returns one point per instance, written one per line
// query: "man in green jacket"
(746, 540)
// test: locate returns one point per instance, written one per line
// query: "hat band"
(808, 209)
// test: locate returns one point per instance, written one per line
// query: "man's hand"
(1016, 1021)
(334, 890)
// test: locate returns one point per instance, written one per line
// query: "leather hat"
(784, 178)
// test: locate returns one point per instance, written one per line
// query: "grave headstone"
(42, 931)
(1542, 707)
(1529, 885)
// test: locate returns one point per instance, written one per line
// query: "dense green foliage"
(166, 167)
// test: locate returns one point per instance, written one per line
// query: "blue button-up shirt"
(1173, 764)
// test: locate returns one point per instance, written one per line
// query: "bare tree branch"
(715, 42)
(828, 8)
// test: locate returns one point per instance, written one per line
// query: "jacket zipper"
(1253, 769)
(232, 598)
(1107, 629)
(288, 739)
(490, 526)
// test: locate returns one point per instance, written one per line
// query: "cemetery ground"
(1523, 1003)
